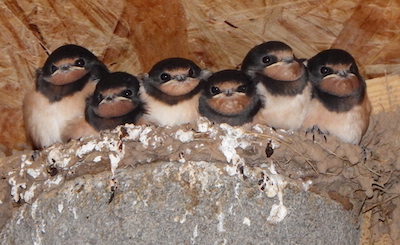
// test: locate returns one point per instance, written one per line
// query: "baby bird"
(339, 105)
(67, 78)
(115, 102)
(282, 81)
(230, 96)
(171, 91)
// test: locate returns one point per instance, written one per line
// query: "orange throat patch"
(230, 105)
(284, 72)
(115, 109)
(176, 88)
(64, 78)
(340, 86)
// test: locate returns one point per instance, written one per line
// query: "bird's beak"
(285, 61)
(62, 69)
(343, 73)
(112, 98)
(67, 68)
(340, 74)
(180, 78)
(229, 92)
(288, 60)
(285, 70)
(121, 98)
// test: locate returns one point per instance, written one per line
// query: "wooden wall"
(132, 35)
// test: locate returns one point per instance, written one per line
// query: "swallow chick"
(230, 96)
(339, 105)
(171, 91)
(282, 80)
(115, 102)
(67, 78)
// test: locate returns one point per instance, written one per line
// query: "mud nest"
(362, 179)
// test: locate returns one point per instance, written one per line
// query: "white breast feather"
(284, 112)
(163, 114)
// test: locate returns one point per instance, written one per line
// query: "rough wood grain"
(132, 35)
(384, 93)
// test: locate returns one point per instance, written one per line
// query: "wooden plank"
(381, 70)
(372, 33)
(158, 30)
(132, 35)
(384, 93)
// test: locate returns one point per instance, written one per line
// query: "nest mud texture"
(177, 203)
(363, 180)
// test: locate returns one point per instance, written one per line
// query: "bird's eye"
(80, 62)
(53, 68)
(190, 72)
(242, 89)
(267, 60)
(128, 92)
(215, 90)
(165, 77)
(325, 70)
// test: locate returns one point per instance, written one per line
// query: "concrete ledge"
(178, 203)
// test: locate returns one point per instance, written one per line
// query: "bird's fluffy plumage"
(340, 105)
(171, 91)
(230, 96)
(282, 81)
(67, 78)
